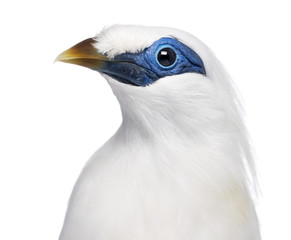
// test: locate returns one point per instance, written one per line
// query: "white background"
(54, 116)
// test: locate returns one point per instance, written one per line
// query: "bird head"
(158, 75)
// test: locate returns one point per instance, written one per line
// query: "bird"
(180, 165)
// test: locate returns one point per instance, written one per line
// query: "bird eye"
(166, 57)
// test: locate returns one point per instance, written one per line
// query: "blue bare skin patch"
(165, 57)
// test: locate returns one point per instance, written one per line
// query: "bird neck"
(185, 118)
(180, 108)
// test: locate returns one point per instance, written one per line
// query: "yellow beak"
(84, 54)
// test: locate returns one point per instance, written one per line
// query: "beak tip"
(60, 58)
(56, 60)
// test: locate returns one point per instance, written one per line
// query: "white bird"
(180, 165)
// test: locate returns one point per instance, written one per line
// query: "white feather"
(179, 167)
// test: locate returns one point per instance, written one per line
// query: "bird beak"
(122, 69)
(84, 54)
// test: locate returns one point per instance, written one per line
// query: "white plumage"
(180, 165)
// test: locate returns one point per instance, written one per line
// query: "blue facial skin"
(143, 68)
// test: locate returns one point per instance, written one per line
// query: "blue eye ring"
(165, 46)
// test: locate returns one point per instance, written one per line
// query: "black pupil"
(166, 57)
